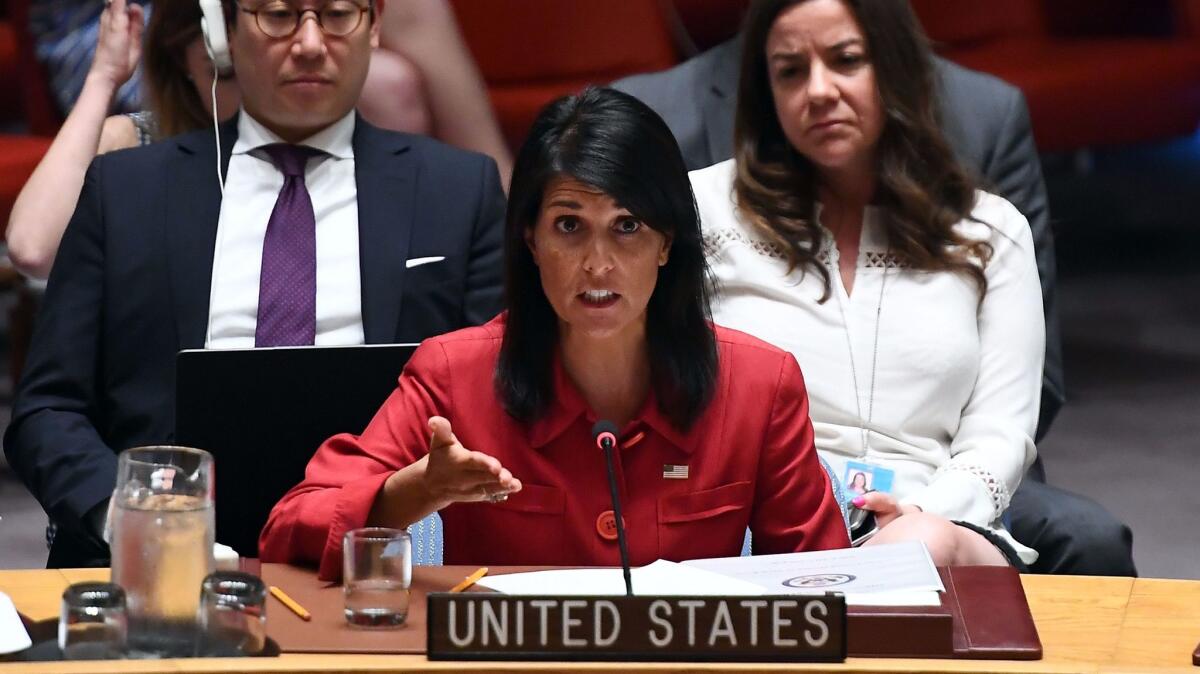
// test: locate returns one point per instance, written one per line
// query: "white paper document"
(13, 636)
(898, 574)
(895, 574)
(660, 578)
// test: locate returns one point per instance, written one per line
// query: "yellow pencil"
(470, 580)
(290, 603)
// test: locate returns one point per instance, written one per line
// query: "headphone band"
(216, 39)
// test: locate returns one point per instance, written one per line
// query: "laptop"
(262, 413)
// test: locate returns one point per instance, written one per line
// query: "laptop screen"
(262, 413)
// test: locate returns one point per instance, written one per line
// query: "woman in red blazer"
(608, 318)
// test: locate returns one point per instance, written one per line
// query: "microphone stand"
(607, 439)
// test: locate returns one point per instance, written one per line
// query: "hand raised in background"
(119, 46)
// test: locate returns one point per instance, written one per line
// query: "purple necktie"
(287, 285)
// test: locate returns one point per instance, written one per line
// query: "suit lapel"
(193, 207)
(386, 178)
(719, 100)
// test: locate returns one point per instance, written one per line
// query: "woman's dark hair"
(171, 94)
(613, 142)
(921, 186)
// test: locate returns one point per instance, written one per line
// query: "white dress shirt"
(957, 378)
(251, 188)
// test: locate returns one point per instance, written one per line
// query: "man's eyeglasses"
(280, 19)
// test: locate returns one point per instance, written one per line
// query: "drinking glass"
(92, 625)
(377, 572)
(233, 615)
(161, 520)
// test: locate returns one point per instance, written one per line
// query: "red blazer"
(749, 461)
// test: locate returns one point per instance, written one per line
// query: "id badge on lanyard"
(861, 477)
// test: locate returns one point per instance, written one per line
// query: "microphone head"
(602, 431)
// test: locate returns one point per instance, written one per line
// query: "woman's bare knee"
(949, 544)
(937, 533)
(975, 550)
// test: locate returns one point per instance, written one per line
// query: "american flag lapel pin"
(675, 472)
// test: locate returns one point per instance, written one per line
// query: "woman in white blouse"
(844, 231)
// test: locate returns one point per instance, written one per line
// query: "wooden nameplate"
(491, 626)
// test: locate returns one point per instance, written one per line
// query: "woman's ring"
(498, 497)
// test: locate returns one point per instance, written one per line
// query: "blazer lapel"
(193, 207)
(386, 177)
(719, 101)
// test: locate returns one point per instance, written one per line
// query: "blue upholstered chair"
(427, 534)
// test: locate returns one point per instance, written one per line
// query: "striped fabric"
(65, 34)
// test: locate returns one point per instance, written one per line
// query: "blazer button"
(606, 525)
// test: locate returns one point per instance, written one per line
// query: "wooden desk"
(1087, 625)
(1161, 627)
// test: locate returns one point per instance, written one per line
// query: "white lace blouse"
(949, 392)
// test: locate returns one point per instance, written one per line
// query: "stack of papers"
(895, 574)
(660, 578)
(898, 574)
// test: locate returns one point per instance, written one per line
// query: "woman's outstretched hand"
(454, 473)
(449, 473)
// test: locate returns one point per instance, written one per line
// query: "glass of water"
(233, 615)
(377, 572)
(93, 624)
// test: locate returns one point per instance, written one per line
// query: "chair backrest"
(535, 41)
(533, 51)
(41, 112)
(11, 108)
(952, 23)
(710, 22)
(427, 541)
(427, 534)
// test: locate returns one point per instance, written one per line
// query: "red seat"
(710, 22)
(1121, 91)
(10, 108)
(33, 89)
(19, 155)
(1084, 89)
(533, 51)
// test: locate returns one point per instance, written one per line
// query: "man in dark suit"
(987, 124)
(326, 230)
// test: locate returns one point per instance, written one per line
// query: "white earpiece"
(216, 42)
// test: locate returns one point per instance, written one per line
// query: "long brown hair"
(169, 92)
(921, 186)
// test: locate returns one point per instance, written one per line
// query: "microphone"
(604, 434)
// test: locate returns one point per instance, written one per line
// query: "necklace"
(862, 423)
